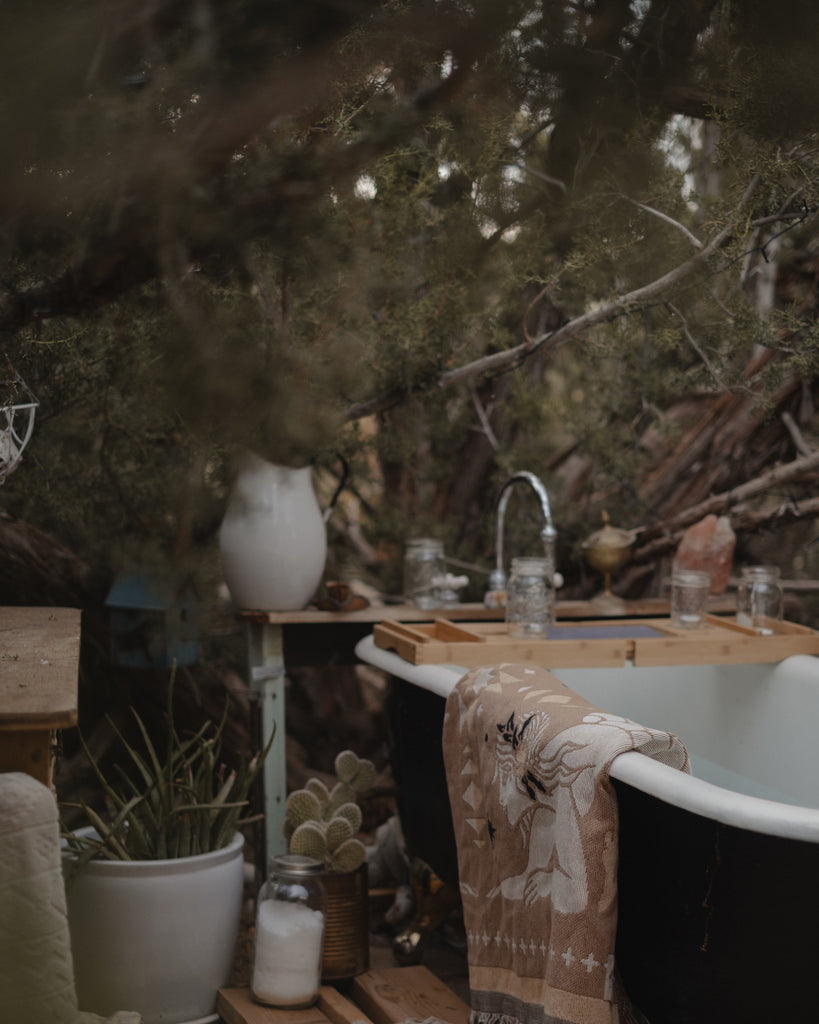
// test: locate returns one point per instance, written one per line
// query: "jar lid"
(530, 565)
(425, 544)
(295, 864)
(760, 571)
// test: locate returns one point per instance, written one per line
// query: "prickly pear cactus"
(357, 772)
(322, 823)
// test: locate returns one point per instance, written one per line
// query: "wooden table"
(39, 663)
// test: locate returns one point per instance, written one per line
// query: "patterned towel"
(535, 815)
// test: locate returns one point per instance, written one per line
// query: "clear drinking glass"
(530, 599)
(423, 566)
(759, 599)
(689, 598)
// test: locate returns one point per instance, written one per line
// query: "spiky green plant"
(175, 803)
(322, 823)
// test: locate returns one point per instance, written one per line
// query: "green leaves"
(179, 804)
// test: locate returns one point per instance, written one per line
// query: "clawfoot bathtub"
(719, 871)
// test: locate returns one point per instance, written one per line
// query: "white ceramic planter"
(157, 937)
(272, 540)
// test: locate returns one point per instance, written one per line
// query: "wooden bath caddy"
(593, 644)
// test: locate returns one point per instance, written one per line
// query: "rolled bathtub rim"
(727, 806)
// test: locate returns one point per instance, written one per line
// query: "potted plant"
(154, 887)
(323, 822)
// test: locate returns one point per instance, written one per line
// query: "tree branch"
(499, 362)
(667, 534)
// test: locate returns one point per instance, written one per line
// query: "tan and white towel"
(535, 814)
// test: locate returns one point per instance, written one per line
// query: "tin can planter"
(347, 932)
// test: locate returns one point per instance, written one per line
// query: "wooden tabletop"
(473, 612)
(39, 662)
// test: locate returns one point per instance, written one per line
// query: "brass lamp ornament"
(608, 550)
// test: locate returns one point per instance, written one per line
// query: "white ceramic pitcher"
(272, 540)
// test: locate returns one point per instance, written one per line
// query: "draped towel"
(36, 967)
(535, 815)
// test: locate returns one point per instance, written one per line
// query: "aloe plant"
(176, 802)
(323, 823)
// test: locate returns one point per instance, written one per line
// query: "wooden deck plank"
(400, 993)
(386, 996)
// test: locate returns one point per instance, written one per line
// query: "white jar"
(530, 598)
(290, 919)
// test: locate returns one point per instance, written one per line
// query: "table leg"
(266, 669)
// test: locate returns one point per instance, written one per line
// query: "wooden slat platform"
(385, 996)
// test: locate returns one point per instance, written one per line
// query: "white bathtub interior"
(751, 731)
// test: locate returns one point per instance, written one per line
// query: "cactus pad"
(302, 805)
(319, 790)
(308, 840)
(352, 812)
(338, 831)
(357, 772)
(341, 794)
(349, 856)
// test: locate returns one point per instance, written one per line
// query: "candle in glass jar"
(287, 961)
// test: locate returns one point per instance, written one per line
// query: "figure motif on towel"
(535, 779)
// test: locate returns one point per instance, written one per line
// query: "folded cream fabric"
(535, 816)
(36, 971)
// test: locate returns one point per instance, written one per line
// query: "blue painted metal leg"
(266, 668)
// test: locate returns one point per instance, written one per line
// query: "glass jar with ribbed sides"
(759, 599)
(530, 599)
(290, 919)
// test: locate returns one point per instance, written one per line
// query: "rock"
(722, 553)
(708, 546)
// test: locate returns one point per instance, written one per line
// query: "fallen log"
(805, 467)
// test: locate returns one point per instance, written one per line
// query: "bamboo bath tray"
(593, 644)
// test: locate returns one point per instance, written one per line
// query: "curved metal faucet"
(497, 578)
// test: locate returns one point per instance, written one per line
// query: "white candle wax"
(287, 960)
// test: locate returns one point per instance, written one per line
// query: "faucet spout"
(497, 578)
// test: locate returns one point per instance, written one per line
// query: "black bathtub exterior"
(416, 719)
(716, 925)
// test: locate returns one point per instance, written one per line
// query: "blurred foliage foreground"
(443, 241)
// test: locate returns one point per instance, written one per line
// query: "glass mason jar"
(423, 565)
(290, 917)
(759, 599)
(689, 598)
(530, 598)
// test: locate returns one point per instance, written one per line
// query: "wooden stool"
(39, 662)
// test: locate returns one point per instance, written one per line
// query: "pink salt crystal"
(708, 546)
(722, 553)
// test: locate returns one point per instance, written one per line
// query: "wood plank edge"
(338, 1009)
